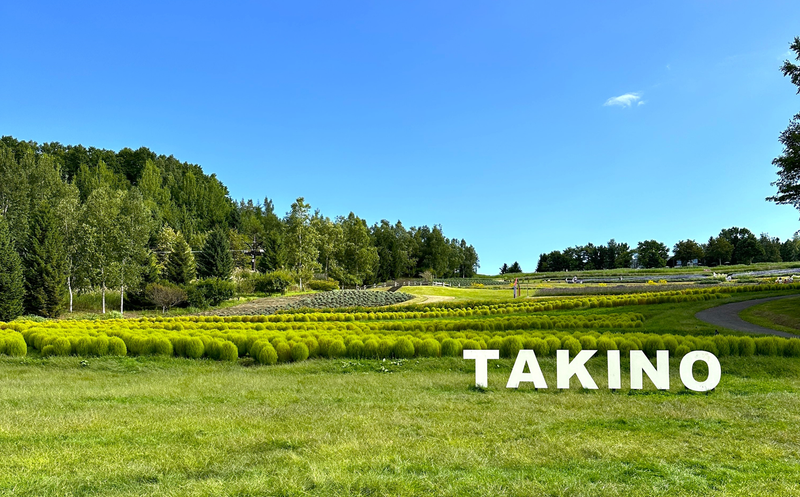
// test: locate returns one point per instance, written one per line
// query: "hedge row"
(274, 346)
(617, 321)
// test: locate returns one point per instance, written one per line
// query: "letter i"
(614, 374)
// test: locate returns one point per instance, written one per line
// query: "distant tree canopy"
(87, 218)
(732, 246)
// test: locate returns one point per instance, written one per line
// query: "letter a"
(518, 374)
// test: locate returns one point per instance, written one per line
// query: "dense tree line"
(732, 246)
(75, 219)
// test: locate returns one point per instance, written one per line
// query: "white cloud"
(640, 102)
(624, 100)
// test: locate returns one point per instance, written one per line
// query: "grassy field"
(152, 425)
(149, 426)
(783, 315)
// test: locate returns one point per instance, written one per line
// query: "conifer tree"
(11, 286)
(215, 260)
(180, 268)
(44, 261)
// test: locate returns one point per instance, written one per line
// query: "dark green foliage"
(215, 259)
(514, 268)
(652, 254)
(274, 282)
(323, 285)
(165, 295)
(788, 163)
(44, 261)
(209, 292)
(180, 268)
(11, 277)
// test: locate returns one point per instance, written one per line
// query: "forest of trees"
(731, 246)
(76, 219)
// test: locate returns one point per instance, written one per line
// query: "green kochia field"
(166, 426)
(79, 421)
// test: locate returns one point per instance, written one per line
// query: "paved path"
(727, 316)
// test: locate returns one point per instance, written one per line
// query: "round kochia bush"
(337, 349)
(62, 346)
(572, 345)
(117, 347)
(228, 351)
(266, 354)
(431, 347)
(403, 348)
(15, 346)
(193, 348)
(451, 348)
(510, 346)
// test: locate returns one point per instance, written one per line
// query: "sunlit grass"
(153, 426)
(783, 315)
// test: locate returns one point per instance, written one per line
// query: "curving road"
(727, 316)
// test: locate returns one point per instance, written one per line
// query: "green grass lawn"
(783, 315)
(127, 426)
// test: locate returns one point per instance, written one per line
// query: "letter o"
(714, 371)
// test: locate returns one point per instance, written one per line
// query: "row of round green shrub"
(531, 322)
(295, 346)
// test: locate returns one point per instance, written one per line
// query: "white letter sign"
(481, 364)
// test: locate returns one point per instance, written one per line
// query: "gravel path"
(727, 316)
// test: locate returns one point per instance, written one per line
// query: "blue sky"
(497, 120)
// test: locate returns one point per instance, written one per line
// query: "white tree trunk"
(69, 287)
(121, 297)
(103, 291)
